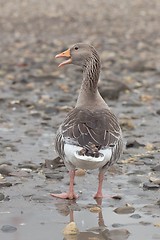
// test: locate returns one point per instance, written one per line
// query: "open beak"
(66, 54)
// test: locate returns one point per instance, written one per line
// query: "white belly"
(85, 162)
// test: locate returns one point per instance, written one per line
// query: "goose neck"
(91, 73)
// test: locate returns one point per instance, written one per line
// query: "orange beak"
(66, 54)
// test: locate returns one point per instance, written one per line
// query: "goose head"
(79, 54)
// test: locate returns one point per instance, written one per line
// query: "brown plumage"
(90, 136)
(85, 128)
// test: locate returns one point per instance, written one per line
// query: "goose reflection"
(99, 232)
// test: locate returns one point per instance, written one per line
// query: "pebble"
(126, 124)
(80, 172)
(63, 108)
(117, 225)
(149, 147)
(5, 184)
(8, 228)
(157, 224)
(35, 113)
(28, 165)
(28, 170)
(135, 216)
(134, 144)
(1, 177)
(95, 209)
(149, 162)
(145, 223)
(128, 160)
(112, 88)
(111, 93)
(55, 163)
(125, 209)
(2, 196)
(71, 229)
(158, 202)
(53, 175)
(21, 174)
(156, 168)
(5, 169)
(147, 156)
(155, 180)
(146, 98)
(150, 186)
(132, 103)
(117, 197)
(118, 234)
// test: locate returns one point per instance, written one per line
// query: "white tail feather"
(73, 157)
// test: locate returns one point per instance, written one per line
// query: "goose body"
(90, 136)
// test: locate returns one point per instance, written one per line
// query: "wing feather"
(84, 127)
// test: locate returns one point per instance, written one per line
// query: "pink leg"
(70, 194)
(99, 191)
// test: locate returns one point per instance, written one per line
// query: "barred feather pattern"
(91, 71)
(85, 128)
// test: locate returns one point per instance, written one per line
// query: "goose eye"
(76, 48)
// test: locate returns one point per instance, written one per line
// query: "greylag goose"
(90, 137)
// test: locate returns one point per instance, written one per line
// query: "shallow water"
(44, 222)
(38, 216)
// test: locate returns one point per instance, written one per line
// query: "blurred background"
(35, 95)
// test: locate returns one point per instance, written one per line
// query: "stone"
(28, 165)
(112, 89)
(20, 174)
(118, 234)
(55, 163)
(95, 209)
(5, 169)
(117, 225)
(150, 186)
(157, 224)
(71, 229)
(80, 172)
(156, 168)
(155, 179)
(2, 196)
(133, 144)
(5, 184)
(146, 98)
(8, 228)
(135, 216)
(53, 175)
(158, 202)
(117, 197)
(126, 124)
(124, 209)
(149, 147)
(145, 223)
